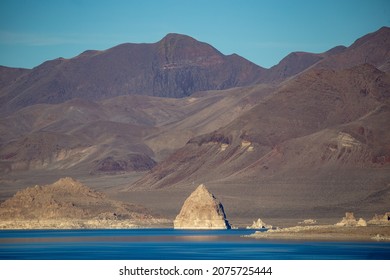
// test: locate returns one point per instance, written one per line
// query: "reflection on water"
(198, 237)
(137, 235)
(173, 244)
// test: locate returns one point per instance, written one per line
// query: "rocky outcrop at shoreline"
(259, 224)
(201, 210)
(81, 224)
(349, 220)
(326, 232)
(348, 228)
(67, 203)
(380, 219)
(308, 222)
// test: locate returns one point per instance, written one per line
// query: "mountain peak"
(182, 47)
(384, 29)
(177, 36)
(381, 36)
(372, 48)
(175, 39)
(335, 50)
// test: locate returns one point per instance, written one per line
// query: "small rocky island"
(201, 210)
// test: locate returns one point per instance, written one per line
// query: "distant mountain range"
(309, 135)
(176, 66)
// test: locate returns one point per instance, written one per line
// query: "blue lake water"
(159, 244)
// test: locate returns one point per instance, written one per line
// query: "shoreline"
(53, 224)
(327, 233)
(369, 233)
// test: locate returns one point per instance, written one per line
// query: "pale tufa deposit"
(201, 210)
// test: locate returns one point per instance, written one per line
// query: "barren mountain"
(373, 48)
(10, 75)
(319, 142)
(66, 135)
(309, 135)
(176, 66)
(314, 101)
(295, 63)
(121, 134)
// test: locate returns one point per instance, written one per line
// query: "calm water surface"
(152, 244)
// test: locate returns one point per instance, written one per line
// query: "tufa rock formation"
(201, 210)
(259, 224)
(361, 223)
(350, 221)
(308, 222)
(68, 203)
(380, 219)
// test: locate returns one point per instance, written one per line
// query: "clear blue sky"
(263, 31)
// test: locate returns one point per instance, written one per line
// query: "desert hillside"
(145, 123)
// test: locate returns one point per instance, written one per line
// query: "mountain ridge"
(175, 66)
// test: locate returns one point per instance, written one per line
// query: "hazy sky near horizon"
(263, 31)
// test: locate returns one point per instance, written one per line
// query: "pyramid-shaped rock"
(201, 210)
